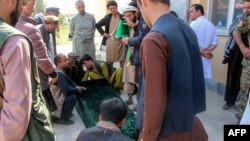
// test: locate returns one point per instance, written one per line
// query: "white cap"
(129, 9)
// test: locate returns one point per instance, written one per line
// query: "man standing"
(114, 48)
(23, 115)
(27, 25)
(245, 72)
(176, 93)
(239, 44)
(47, 29)
(82, 28)
(135, 42)
(207, 42)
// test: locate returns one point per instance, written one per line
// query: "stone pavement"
(213, 119)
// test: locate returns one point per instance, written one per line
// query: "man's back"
(207, 37)
(98, 133)
(28, 106)
(27, 26)
(205, 32)
(64, 82)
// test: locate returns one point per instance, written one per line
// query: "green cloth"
(40, 127)
(122, 30)
(88, 105)
(129, 55)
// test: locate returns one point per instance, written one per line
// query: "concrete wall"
(219, 69)
(100, 11)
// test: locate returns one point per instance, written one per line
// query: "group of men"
(156, 120)
(26, 70)
(171, 47)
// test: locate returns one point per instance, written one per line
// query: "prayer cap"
(51, 19)
(54, 10)
(73, 54)
(129, 9)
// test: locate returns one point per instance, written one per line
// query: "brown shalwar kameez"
(155, 56)
(114, 47)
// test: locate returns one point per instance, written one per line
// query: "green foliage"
(39, 7)
(62, 35)
(61, 19)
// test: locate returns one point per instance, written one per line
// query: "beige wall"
(204, 3)
(219, 70)
(100, 11)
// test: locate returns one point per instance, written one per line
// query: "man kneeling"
(69, 90)
(99, 69)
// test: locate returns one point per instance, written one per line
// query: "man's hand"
(206, 53)
(129, 22)
(80, 89)
(125, 40)
(245, 52)
(106, 35)
(53, 80)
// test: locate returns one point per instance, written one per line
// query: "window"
(220, 13)
(223, 12)
(237, 8)
(178, 7)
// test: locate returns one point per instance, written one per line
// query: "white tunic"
(82, 28)
(207, 35)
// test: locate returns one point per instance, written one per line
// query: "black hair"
(133, 3)
(53, 10)
(14, 15)
(198, 7)
(113, 110)
(162, 1)
(112, 2)
(58, 58)
(173, 13)
(85, 57)
(25, 2)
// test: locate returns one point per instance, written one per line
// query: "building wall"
(100, 11)
(219, 69)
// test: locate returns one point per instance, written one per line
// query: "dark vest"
(40, 128)
(186, 88)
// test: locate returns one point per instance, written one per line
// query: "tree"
(40, 7)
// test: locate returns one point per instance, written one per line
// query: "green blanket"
(88, 105)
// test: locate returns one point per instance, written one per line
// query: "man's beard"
(246, 15)
(14, 15)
